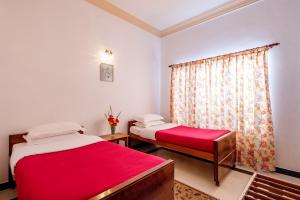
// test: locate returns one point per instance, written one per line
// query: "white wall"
(49, 70)
(262, 23)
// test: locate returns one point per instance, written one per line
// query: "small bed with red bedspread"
(218, 146)
(81, 167)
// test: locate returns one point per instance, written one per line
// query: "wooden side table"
(116, 138)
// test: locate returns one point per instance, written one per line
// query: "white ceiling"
(165, 13)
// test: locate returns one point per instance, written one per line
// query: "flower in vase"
(112, 120)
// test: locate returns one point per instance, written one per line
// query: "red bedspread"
(196, 138)
(79, 173)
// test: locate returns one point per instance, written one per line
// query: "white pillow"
(148, 118)
(48, 139)
(149, 124)
(54, 129)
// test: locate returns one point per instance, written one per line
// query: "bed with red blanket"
(97, 169)
(217, 146)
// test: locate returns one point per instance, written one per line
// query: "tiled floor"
(199, 175)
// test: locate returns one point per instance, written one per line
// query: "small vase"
(113, 129)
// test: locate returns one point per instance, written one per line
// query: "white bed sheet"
(66, 142)
(149, 133)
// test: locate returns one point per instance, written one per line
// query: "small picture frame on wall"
(106, 72)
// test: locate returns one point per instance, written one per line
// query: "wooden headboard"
(130, 124)
(15, 139)
(18, 138)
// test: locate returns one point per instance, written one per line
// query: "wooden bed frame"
(155, 183)
(223, 156)
(268, 188)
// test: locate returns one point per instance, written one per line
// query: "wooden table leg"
(129, 142)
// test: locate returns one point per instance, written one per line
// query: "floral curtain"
(228, 92)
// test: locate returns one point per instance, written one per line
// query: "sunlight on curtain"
(228, 92)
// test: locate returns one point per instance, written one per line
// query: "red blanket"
(79, 173)
(196, 138)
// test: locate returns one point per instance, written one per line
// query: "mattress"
(79, 173)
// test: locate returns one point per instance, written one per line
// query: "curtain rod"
(265, 46)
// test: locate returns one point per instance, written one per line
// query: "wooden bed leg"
(216, 174)
(11, 181)
(233, 166)
(216, 165)
(234, 161)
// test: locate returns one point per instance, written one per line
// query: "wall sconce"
(107, 55)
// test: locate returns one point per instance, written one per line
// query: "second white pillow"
(146, 118)
(149, 124)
